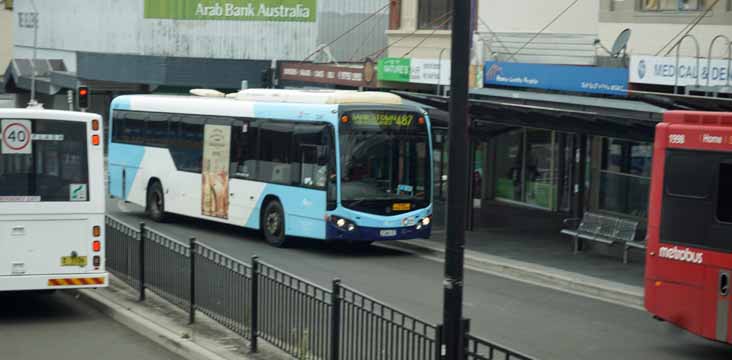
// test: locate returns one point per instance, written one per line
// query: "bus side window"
(129, 127)
(187, 147)
(308, 150)
(119, 126)
(244, 149)
(274, 152)
(156, 130)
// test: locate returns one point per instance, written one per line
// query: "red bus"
(689, 243)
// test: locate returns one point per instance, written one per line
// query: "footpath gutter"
(557, 279)
(167, 326)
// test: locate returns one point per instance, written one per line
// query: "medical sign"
(658, 70)
(16, 137)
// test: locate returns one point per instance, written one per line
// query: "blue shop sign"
(584, 79)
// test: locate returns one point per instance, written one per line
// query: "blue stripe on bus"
(363, 233)
(124, 162)
(380, 221)
(124, 159)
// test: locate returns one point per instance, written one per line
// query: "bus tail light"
(96, 231)
(97, 245)
(95, 139)
(96, 261)
(95, 124)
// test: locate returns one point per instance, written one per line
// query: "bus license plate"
(401, 207)
(387, 233)
(73, 261)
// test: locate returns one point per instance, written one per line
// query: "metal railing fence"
(258, 300)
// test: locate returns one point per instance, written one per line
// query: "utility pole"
(35, 16)
(457, 197)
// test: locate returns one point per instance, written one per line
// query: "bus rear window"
(697, 201)
(50, 167)
(689, 173)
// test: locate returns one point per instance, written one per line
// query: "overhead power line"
(354, 27)
(545, 27)
(686, 30)
(433, 23)
(495, 36)
(428, 36)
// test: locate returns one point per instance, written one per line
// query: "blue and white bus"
(330, 165)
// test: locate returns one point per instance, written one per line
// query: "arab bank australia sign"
(239, 10)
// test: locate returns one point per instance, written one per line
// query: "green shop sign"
(240, 10)
(395, 69)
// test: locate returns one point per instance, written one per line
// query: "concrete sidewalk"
(544, 260)
(168, 326)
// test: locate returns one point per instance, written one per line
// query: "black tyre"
(273, 224)
(155, 206)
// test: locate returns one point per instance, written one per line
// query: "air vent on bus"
(698, 118)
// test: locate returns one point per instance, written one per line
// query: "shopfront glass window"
(625, 177)
(526, 167)
(540, 182)
(509, 165)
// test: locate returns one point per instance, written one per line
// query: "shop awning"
(19, 75)
(494, 110)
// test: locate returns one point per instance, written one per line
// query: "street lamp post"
(457, 197)
(28, 20)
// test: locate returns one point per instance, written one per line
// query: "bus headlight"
(343, 224)
(426, 221)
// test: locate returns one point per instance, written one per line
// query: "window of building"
(8, 4)
(625, 176)
(275, 152)
(671, 5)
(435, 14)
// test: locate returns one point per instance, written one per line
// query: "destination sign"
(388, 119)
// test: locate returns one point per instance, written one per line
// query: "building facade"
(543, 62)
(655, 23)
(6, 32)
(173, 45)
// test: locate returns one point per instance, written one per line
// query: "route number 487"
(676, 139)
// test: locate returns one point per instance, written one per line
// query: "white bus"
(346, 166)
(51, 200)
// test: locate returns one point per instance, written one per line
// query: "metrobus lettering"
(686, 255)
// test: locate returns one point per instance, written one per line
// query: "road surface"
(535, 320)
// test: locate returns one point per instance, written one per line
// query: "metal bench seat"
(606, 229)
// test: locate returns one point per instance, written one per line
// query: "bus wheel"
(155, 207)
(273, 224)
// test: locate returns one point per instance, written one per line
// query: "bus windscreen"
(43, 161)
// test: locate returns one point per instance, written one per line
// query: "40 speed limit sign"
(16, 137)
